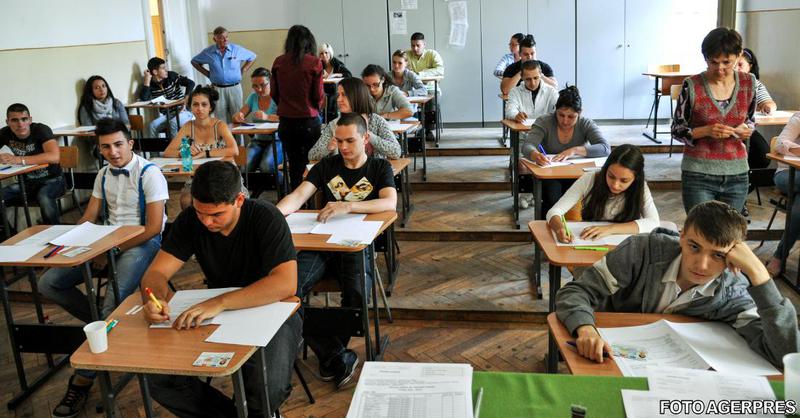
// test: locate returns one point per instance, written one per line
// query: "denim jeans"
(311, 268)
(188, 396)
(260, 156)
(698, 188)
(159, 124)
(298, 136)
(46, 193)
(792, 231)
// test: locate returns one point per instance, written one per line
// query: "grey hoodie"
(628, 279)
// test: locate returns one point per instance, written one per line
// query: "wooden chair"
(665, 89)
(68, 160)
(137, 125)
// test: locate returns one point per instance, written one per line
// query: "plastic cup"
(791, 376)
(97, 336)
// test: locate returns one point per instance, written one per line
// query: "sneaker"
(350, 364)
(523, 202)
(73, 401)
(328, 372)
(745, 212)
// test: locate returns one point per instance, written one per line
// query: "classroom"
(399, 208)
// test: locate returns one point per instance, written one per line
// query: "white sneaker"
(523, 202)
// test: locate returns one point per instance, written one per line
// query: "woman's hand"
(560, 230)
(743, 131)
(596, 232)
(563, 155)
(540, 158)
(238, 117)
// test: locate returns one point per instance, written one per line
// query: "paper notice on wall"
(458, 35)
(458, 12)
(399, 26)
(459, 23)
(408, 4)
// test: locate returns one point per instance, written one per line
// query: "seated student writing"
(160, 82)
(259, 107)
(406, 80)
(617, 193)
(353, 96)
(209, 136)
(708, 272)
(128, 191)
(533, 98)
(238, 242)
(562, 135)
(390, 102)
(351, 182)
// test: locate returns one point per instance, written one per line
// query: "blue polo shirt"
(224, 68)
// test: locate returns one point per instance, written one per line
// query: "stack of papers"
(160, 100)
(82, 235)
(671, 384)
(7, 170)
(419, 390)
(19, 253)
(349, 229)
(696, 345)
(251, 326)
(576, 228)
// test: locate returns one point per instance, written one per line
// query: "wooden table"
(504, 99)
(21, 181)
(793, 166)
(515, 128)
(539, 173)
(402, 130)
(318, 242)
(167, 106)
(436, 80)
(558, 257)
(578, 365)
(55, 339)
(670, 76)
(134, 347)
(775, 120)
(67, 131)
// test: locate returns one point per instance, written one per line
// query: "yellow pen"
(566, 227)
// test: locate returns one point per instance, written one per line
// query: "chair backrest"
(68, 157)
(137, 123)
(773, 143)
(675, 91)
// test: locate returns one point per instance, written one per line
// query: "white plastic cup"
(97, 336)
(791, 377)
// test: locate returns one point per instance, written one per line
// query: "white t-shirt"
(122, 191)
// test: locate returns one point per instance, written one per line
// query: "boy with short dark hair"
(158, 81)
(709, 272)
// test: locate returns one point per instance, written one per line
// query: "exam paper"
(13, 169)
(362, 233)
(576, 228)
(418, 390)
(84, 235)
(528, 122)
(47, 235)
(6, 150)
(262, 125)
(301, 223)
(17, 253)
(252, 326)
(339, 224)
(641, 404)
(185, 299)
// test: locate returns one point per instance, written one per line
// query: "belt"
(225, 85)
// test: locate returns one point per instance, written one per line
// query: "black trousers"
(298, 136)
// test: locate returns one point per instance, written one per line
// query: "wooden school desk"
(21, 181)
(317, 242)
(169, 105)
(48, 338)
(564, 172)
(402, 130)
(134, 347)
(68, 131)
(436, 80)
(775, 120)
(558, 257)
(793, 166)
(671, 77)
(578, 365)
(515, 128)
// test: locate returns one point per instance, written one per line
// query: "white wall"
(241, 15)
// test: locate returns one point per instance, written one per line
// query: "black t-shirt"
(260, 242)
(340, 183)
(516, 67)
(32, 145)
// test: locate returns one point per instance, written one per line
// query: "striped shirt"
(762, 95)
(169, 87)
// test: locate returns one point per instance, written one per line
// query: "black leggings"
(298, 136)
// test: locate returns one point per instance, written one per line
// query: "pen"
(591, 248)
(5, 167)
(171, 170)
(246, 124)
(153, 297)
(477, 412)
(541, 148)
(111, 325)
(566, 228)
(573, 345)
(53, 251)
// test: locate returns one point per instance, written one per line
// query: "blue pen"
(6, 167)
(541, 148)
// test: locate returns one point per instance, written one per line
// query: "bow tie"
(118, 171)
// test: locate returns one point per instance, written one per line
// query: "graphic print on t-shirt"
(357, 193)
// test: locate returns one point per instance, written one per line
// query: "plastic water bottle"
(186, 154)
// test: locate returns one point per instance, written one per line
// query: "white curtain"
(185, 35)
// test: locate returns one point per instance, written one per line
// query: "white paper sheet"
(262, 125)
(302, 223)
(84, 235)
(408, 4)
(8, 170)
(339, 223)
(71, 130)
(251, 326)
(361, 234)
(704, 384)
(576, 228)
(664, 347)
(419, 390)
(6, 150)
(528, 122)
(775, 114)
(413, 98)
(185, 299)
(49, 234)
(641, 404)
(396, 125)
(398, 24)
(16, 253)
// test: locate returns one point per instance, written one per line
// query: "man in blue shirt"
(226, 63)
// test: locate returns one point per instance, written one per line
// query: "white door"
(499, 20)
(366, 35)
(552, 24)
(601, 57)
(324, 19)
